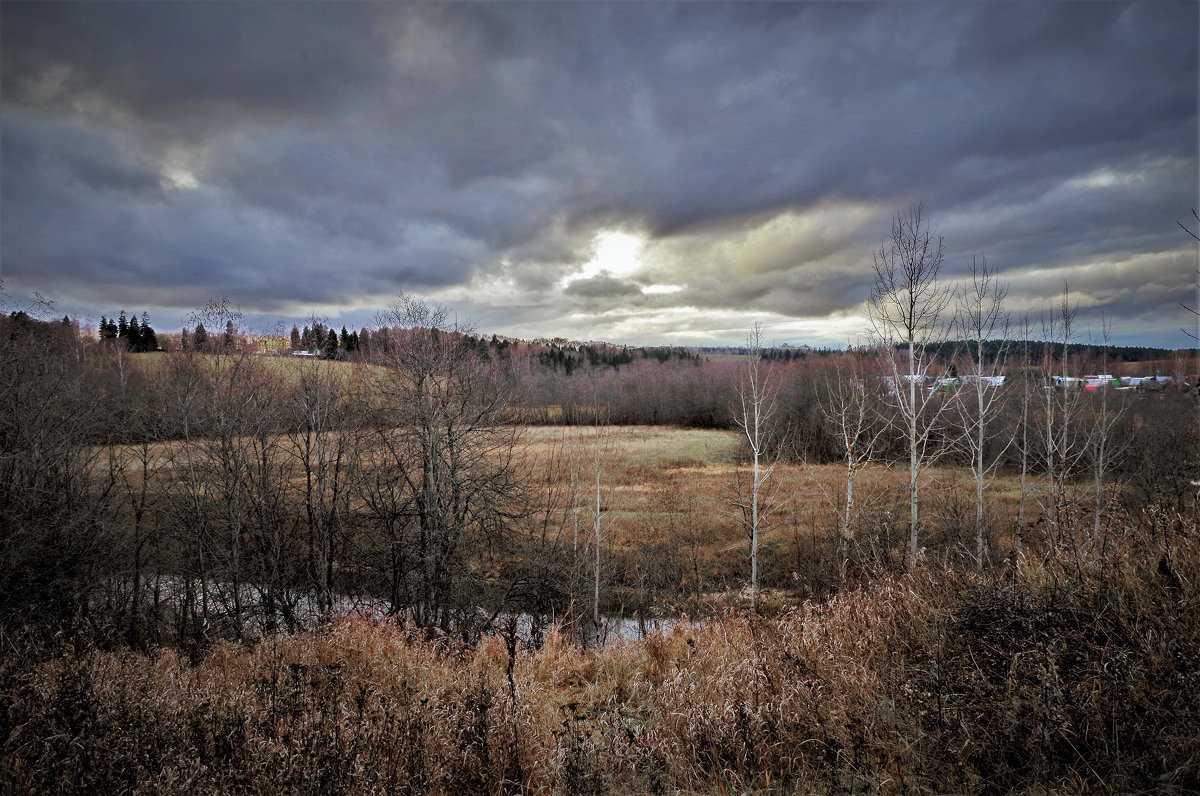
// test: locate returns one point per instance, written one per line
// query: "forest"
(448, 562)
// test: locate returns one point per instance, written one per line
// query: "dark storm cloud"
(182, 70)
(331, 154)
(602, 286)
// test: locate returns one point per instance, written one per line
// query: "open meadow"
(671, 493)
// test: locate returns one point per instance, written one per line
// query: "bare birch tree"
(755, 416)
(980, 317)
(588, 494)
(850, 408)
(600, 523)
(906, 309)
(138, 468)
(1062, 439)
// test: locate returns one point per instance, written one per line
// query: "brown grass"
(678, 483)
(1076, 676)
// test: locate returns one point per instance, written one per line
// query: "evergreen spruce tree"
(295, 339)
(230, 334)
(149, 337)
(122, 326)
(133, 335)
(344, 339)
(184, 339)
(201, 337)
(306, 339)
(330, 350)
(353, 342)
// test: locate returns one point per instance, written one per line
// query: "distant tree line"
(571, 358)
(1033, 350)
(137, 337)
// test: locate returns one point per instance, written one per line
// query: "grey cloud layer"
(332, 154)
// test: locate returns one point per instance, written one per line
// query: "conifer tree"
(149, 337)
(296, 342)
(330, 350)
(133, 336)
(122, 325)
(201, 337)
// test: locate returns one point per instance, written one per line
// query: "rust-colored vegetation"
(1076, 675)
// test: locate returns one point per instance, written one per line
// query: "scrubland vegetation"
(1075, 676)
(416, 570)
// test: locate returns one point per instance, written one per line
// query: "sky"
(640, 172)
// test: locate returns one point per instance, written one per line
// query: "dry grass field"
(679, 484)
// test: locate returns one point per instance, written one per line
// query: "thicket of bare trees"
(207, 494)
(59, 505)
(448, 438)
